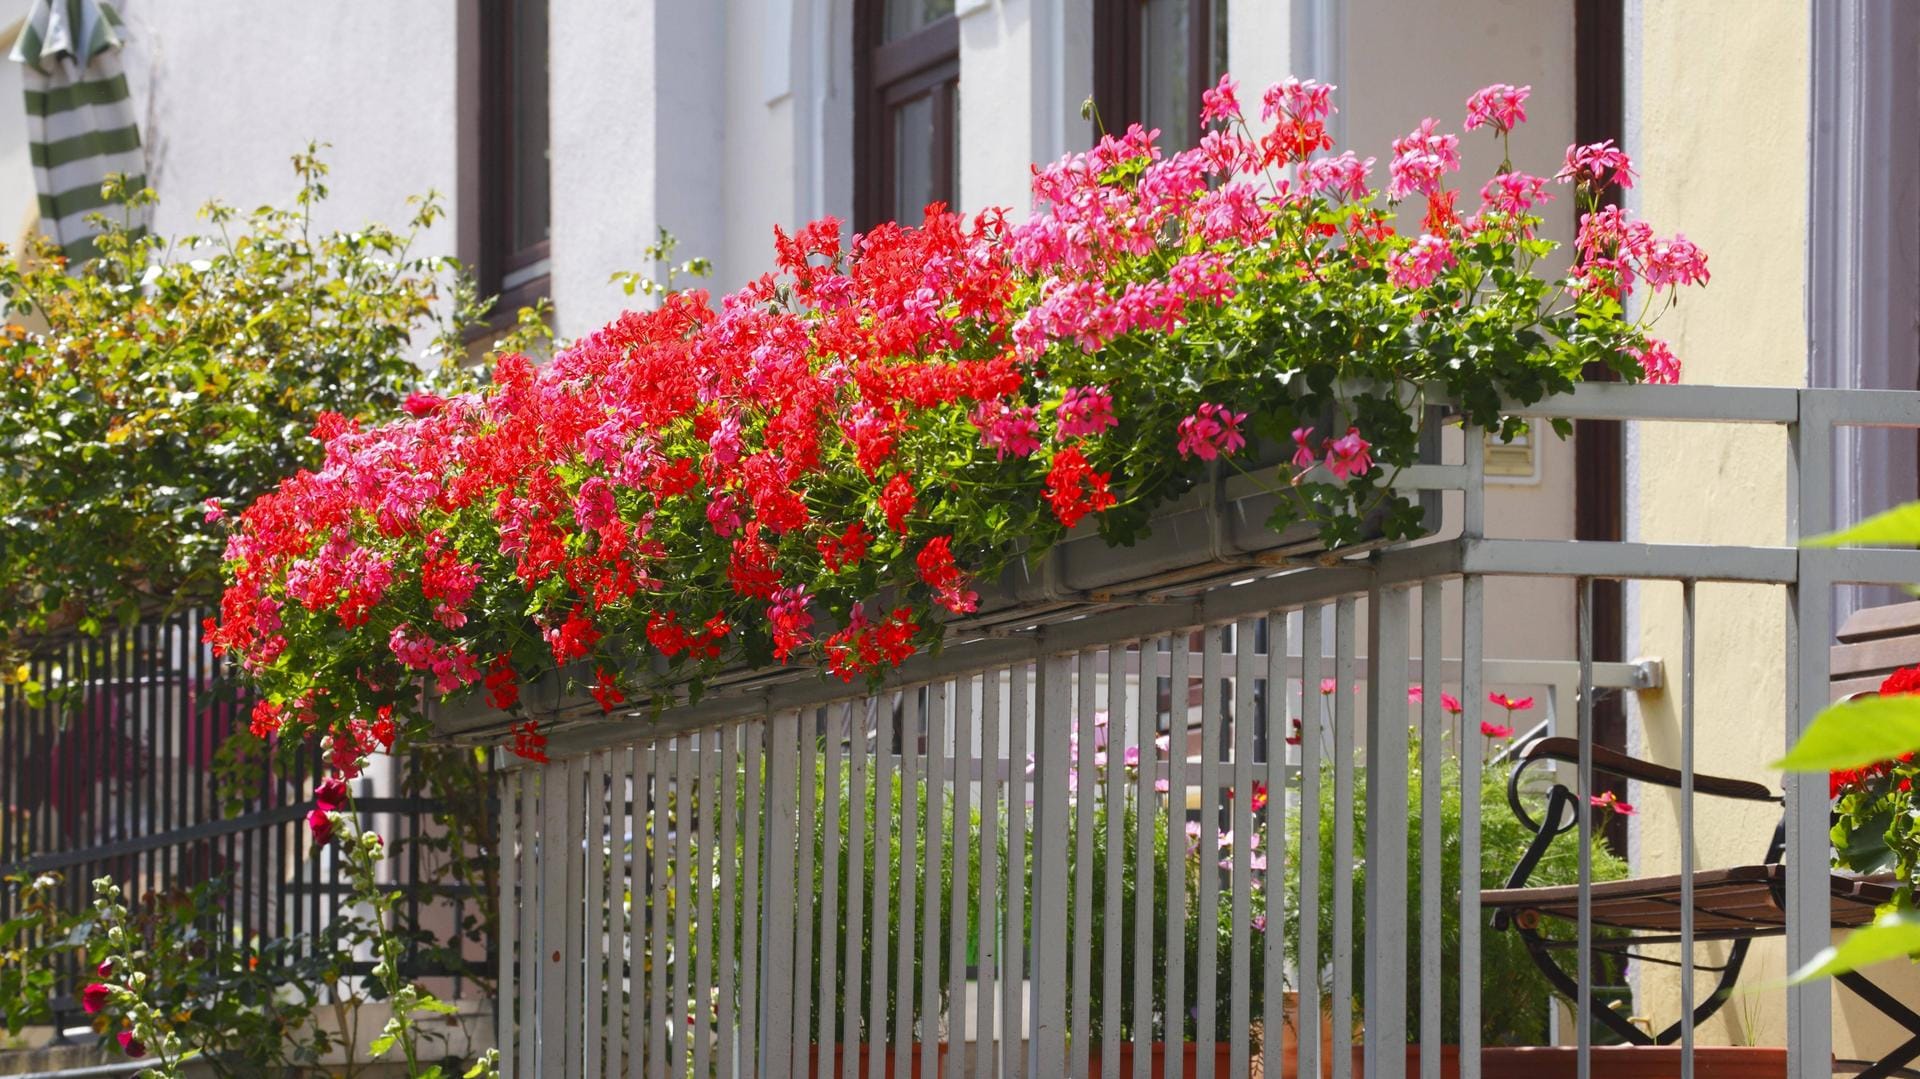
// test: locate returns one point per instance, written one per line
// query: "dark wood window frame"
(1119, 37)
(886, 75)
(486, 186)
(1599, 446)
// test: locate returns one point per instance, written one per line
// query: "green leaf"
(435, 1005)
(1897, 527)
(1893, 935)
(380, 1045)
(1856, 733)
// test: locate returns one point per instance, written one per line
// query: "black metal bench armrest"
(1616, 763)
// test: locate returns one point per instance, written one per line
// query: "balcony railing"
(792, 878)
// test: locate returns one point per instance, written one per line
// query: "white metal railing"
(795, 881)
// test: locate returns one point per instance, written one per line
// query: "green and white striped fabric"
(79, 115)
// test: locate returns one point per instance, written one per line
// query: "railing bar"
(906, 949)
(858, 797)
(1179, 674)
(886, 742)
(531, 840)
(1432, 782)
(780, 896)
(148, 634)
(1083, 788)
(805, 895)
(958, 921)
(1146, 729)
(1472, 614)
(623, 893)
(987, 983)
(1688, 629)
(1206, 974)
(504, 1035)
(1583, 806)
(837, 717)
(1013, 987)
(710, 808)
(1047, 1052)
(930, 863)
(680, 884)
(590, 1002)
(1387, 811)
(579, 925)
(554, 856)
(1113, 928)
(1245, 670)
(659, 885)
(729, 858)
(1274, 936)
(1346, 672)
(755, 735)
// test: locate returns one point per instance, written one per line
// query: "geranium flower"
(1348, 456)
(606, 689)
(1221, 103)
(1499, 106)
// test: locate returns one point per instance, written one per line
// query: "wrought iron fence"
(804, 880)
(119, 758)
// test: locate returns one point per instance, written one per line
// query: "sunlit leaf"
(1894, 935)
(1897, 527)
(1856, 733)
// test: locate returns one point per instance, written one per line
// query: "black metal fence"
(119, 758)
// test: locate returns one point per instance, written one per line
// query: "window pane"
(906, 16)
(1165, 47)
(913, 136)
(528, 212)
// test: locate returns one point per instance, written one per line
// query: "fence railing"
(800, 881)
(118, 759)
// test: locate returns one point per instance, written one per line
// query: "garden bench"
(1738, 904)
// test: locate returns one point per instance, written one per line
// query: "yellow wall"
(1722, 143)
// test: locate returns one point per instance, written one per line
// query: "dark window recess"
(907, 112)
(1152, 59)
(515, 184)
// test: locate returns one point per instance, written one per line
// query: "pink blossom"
(1211, 430)
(1221, 104)
(1511, 704)
(1450, 704)
(1160, 786)
(1500, 105)
(214, 512)
(1495, 730)
(594, 506)
(1416, 694)
(1657, 361)
(1678, 261)
(1306, 101)
(1344, 176)
(1420, 159)
(1596, 165)
(1514, 193)
(1418, 265)
(1303, 456)
(1006, 430)
(1608, 800)
(1347, 456)
(723, 513)
(1327, 686)
(725, 439)
(1131, 758)
(1085, 411)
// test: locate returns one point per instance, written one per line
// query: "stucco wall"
(226, 92)
(1723, 149)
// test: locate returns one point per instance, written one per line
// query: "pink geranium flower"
(1499, 106)
(1420, 264)
(1221, 104)
(1348, 455)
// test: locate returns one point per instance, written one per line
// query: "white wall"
(228, 90)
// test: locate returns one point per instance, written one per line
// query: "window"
(1152, 61)
(515, 189)
(907, 113)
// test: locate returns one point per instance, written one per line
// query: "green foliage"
(1513, 1001)
(1876, 819)
(168, 372)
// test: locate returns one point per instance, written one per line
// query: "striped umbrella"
(79, 115)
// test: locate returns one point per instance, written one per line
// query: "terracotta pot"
(877, 1068)
(1189, 1057)
(1612, 1061)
